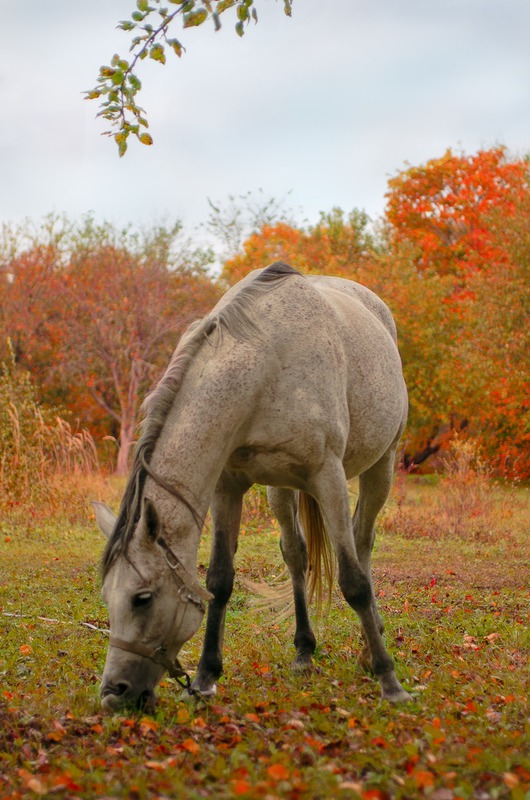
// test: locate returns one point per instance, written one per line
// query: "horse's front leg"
(294, 550)
(226, 517)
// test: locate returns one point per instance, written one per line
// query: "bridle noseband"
(189, 591)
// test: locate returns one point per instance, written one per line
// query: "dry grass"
(46, 464)
(468, 503)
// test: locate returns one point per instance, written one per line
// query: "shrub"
(468, 503)
(42, 459)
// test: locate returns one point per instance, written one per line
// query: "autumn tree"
(443, 207)
(108, 315)
(127, 304)
(452, 216)
(32, 256)
(496, 351)
(337, 244)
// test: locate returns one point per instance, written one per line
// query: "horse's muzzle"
(122, 695)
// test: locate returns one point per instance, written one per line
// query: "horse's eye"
(142, 599)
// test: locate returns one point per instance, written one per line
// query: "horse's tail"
(321, 557)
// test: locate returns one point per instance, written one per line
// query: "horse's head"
(155, 605)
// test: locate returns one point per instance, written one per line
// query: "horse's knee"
(220, 583)
(294, 552)
(355, 585)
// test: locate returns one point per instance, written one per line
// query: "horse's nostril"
(117, 689)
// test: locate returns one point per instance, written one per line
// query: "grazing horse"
(291, 381)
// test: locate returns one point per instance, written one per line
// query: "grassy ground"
(455, 599)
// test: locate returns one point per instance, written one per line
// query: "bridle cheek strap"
(159, 656)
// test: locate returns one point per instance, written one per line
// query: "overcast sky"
(326, 105)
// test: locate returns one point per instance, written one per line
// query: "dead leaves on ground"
(295, 748)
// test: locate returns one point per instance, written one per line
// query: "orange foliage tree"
(109, 312)
(336, 244)
(454, 216)
(444, 205)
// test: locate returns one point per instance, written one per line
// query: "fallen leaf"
(351, 786)
(156, 766)
(191, 746)
(32, 783)
(240, 787)
(183, 715)
(511, 780)
(424, 778)
(279, 772)
(147, 724)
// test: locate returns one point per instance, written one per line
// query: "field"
(453, 582)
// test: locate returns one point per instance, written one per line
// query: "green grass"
(456, 611)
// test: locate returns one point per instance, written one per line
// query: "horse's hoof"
(200, 693)
(303, 665)
(401, 696)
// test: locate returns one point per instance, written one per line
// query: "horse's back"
(330, 369)
(328, 285)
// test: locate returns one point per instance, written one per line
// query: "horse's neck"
(202, 429)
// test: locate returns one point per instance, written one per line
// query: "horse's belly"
(281, 454)
(268, 467)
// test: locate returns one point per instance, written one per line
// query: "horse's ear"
(105, 518)
(150, 515)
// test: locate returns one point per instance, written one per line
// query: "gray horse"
(293, 382)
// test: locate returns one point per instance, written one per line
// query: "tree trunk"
(436, 443)
(125, 442)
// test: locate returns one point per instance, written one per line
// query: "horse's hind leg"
(374, 488)
(331, 492)
(226, 517)
(284, 507)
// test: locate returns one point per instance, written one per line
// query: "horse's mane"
(232, 317)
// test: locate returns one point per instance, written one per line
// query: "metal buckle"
(167, 554)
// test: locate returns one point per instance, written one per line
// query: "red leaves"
(423, 778)
(41, 785)
(240, 787)
(278, 772)
(57, 733)
(442, 206)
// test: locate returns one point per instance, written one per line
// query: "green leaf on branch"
(157, 53)
(223, 5)
(135, 82)
(146, 138)
(242, 12)
(121, 140)
(195, 18)
(176, 46)
(151, 22)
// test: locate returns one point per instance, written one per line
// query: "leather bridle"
(189, 591)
